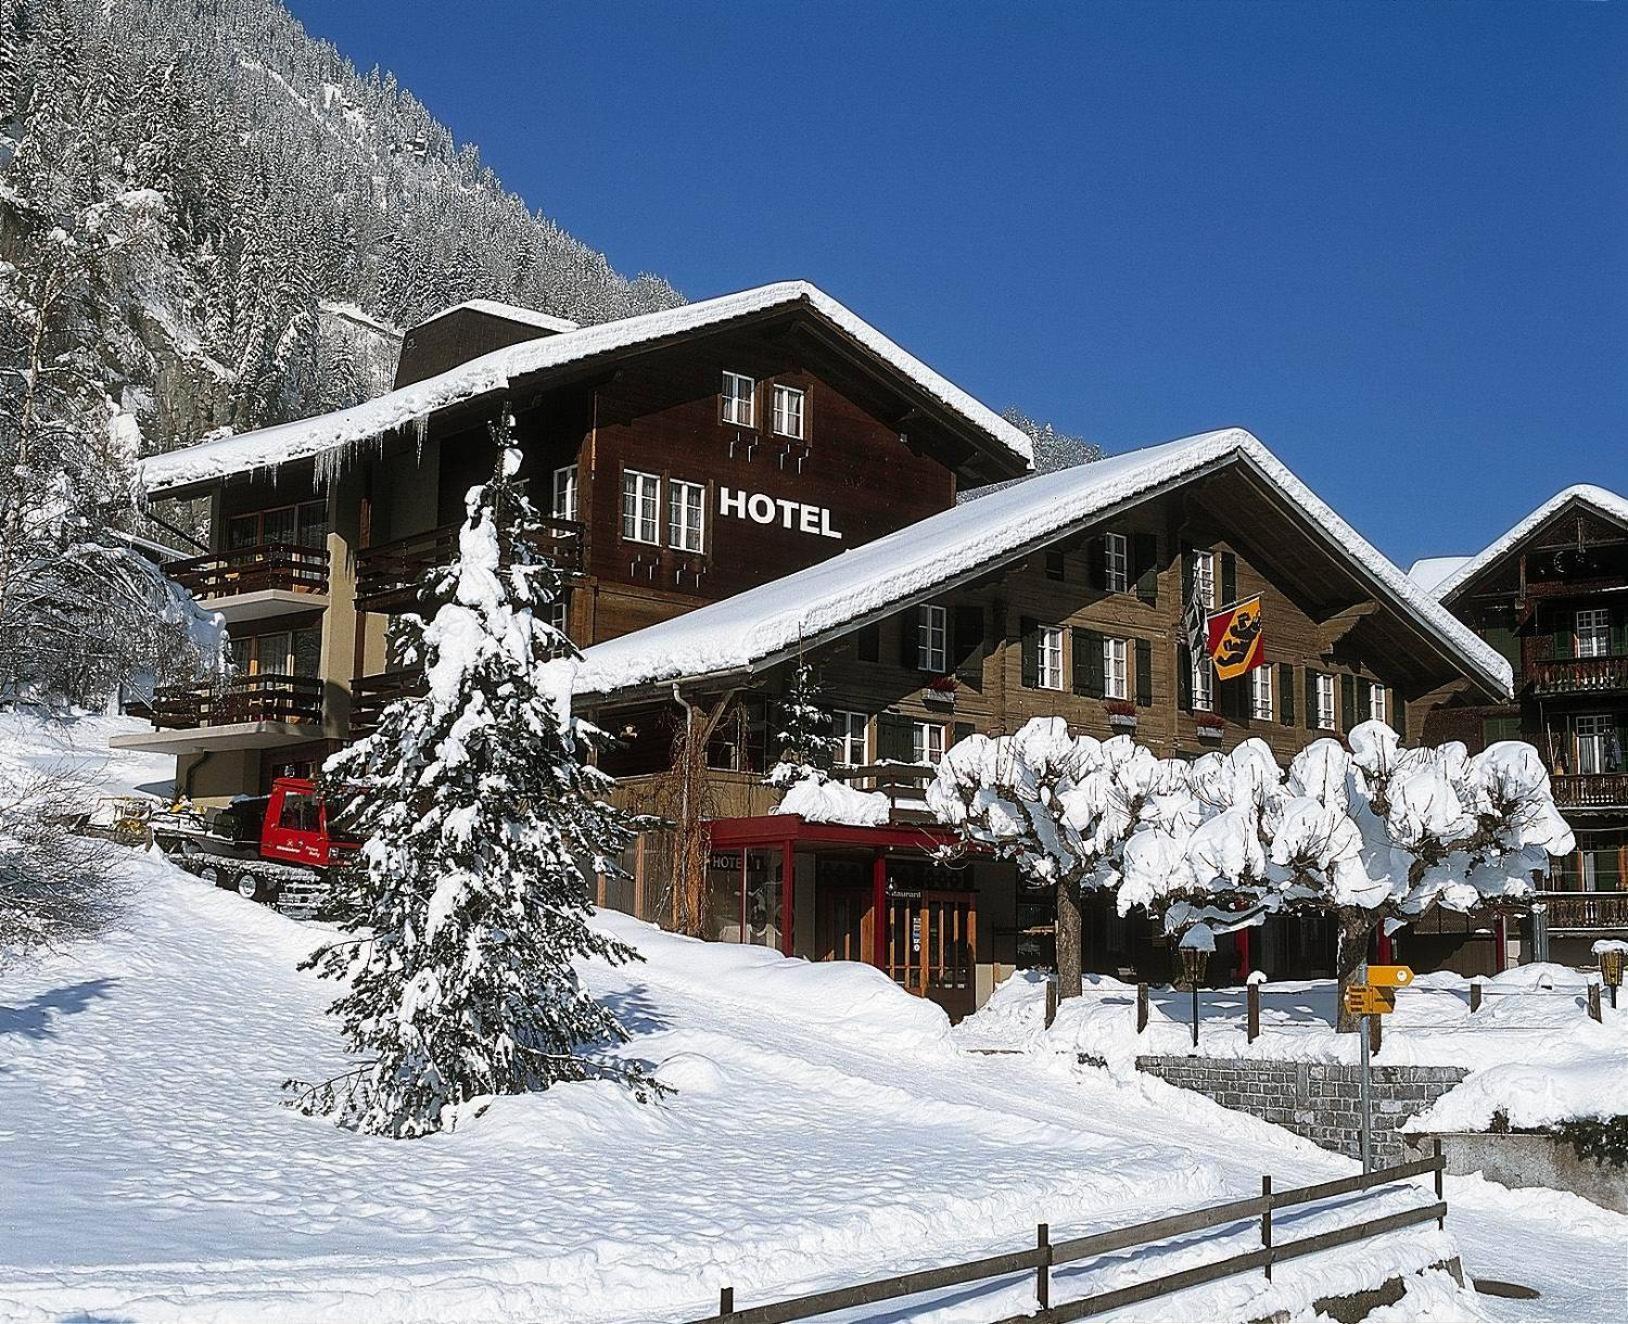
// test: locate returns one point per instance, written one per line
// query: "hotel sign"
(760, 508)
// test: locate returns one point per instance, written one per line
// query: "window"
(555, 613)
(1051, 657)
(931, 633)
(1116, 673)
(926, 742)
(304, 525)
(740, 400)
(788, 412)
(1260, 694)
(1378, 706)
(1116, 562)
(639, 520)
(848, 733)
(684, 515)
(1494, 729)
(1204, 581)
(281, 653)
(1594, 632)
(565, 492)
(1203, 683)
(1324, 699)
(1594, 736)
(301, 813)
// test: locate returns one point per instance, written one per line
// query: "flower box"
(1121, 713)
(940, 692)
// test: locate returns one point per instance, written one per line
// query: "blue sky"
(1390, 239)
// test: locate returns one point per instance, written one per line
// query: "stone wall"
(1319, 1100)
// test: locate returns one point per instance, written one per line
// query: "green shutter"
(1311, 699)
(1145, 549)
(1144, 674)
(1031, 652)
(1088, 663)
(968, 623)
(1096, 561)
(1348, 702)
(895, 737)
(1233, 699)
(1186, 576)
(961, 731)
(1184, 678)
(1229, 579)
(910, 638)
(1056, 566)
(1619, 631)
(870, 643)
(1286, 693)
(1561, 645)
(1399, 714)
(1365, 701)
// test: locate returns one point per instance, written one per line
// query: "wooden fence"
(1047, 1254)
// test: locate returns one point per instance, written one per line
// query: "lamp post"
(1194, 961)
(1611, 956)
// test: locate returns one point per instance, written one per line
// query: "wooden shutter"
(1348, 702)
(1311, 699)
(1561, 646)
(1230, 699)
(1096, 561)
(1145, 550)
(870, 643)
(1399, 714)
(1184, 678)
(895, 737)
(1088, 663)
(960, 731)
(1286, 693)
(1144, 674)
(1186, 576)
(1055, 567)
(1229, 579)
(968, 626)
(1619, 631)
(1365, 701)
(910, 638)
(1031, 652)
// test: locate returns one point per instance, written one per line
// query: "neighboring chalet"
(1551, 595)
(1059, 595)
(682, 456)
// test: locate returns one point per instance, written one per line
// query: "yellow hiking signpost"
(1374, 997)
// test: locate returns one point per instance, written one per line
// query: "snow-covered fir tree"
(804, 734)
(479, 822)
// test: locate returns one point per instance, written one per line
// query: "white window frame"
(1204, 578)
(850, 733)
(1116, 668)
(1591, 737)
(739, 398)
(788, 421)
(1328, 701)
(1262, 705)
(1593, 632)
(932, 639)
(1203, 683)
(641, 507)
(686, 515)
(565, 492)
(1116, 561)
(1049, 650)
(927, 742)
(554, 613)
(1379, 702)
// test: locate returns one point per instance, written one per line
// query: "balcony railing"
(904, 785)
(262, 698)
(1579, 675)
(387, 575)
(270, 565)
(1591, 790)
(371, 695)
(1585, 912)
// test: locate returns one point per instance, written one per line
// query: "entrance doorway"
(842, 909)
(932, 944)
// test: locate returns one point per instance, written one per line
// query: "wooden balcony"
(371, 695)
(904, 785)
(1585, 912)
(1591, 790)
(265, 567)
(247, 699)
(387, 575)
(1578, 675)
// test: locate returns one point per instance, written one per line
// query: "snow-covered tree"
(480, 824)
(1380, 832)
(804, 733)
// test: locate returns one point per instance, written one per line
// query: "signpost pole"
(1367, 1119)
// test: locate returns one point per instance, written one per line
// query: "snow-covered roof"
(1429, 571)
(510, 312)
(760, 626)
(1603, 499)
(495, 372)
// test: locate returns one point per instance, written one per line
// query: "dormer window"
(740, 400)
(788, 412)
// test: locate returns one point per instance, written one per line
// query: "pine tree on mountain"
(480, 820)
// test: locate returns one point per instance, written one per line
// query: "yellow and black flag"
(1234, 641)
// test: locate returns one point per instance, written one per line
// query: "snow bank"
(834, 802)
(865, 582)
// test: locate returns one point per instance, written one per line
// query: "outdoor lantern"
(1194, 961)
(1611, 958)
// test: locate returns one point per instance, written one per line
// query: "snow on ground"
(32, 742)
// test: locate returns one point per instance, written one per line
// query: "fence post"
(1266, 1225)
(1441, 1166)
(1594, 1002)
(1051, 1002)
(1475, 997)
(726, 1302)
(1142, 1008)
(1254, 1012)
(1042, 1272)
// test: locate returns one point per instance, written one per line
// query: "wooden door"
(841, 923)
(932, 947)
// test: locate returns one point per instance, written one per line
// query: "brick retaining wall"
(1319, 1100)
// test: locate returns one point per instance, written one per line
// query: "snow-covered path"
(825, 1129)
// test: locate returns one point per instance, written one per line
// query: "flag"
(1233, 639)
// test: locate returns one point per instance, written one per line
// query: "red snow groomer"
(273, 848)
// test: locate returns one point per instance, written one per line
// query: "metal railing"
(268, 565)
(263, 698)
(1046, 1254)
(387, 575)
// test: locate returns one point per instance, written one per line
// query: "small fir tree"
(478, 820)
(805, 732)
